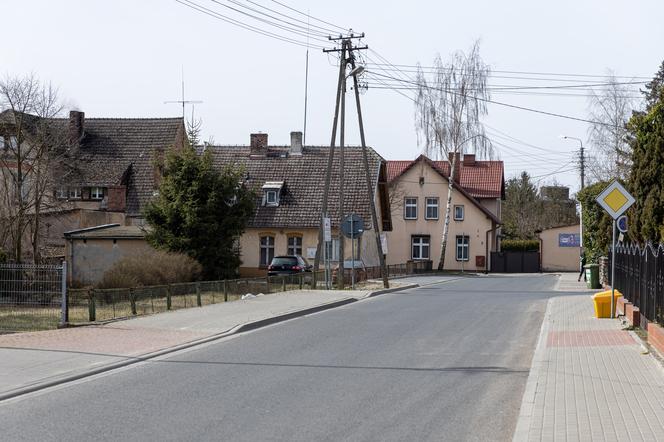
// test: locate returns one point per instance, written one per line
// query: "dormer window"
(272, 193)
(96, 193)
(61, 193)
(74, 193)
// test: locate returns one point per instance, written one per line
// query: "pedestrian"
(583, 264)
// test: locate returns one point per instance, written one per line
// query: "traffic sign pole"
(613, 271)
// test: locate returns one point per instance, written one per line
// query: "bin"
(592, 276)
(602, 301)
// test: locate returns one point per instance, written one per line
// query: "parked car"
(288, 265)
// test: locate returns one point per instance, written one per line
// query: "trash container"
(592, 276)
(602, 301)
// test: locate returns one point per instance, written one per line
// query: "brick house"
(108, 171)
(290, 181)
(418, 193)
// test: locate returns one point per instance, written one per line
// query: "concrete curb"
(528, 402)
(145, 357)
(390, 290)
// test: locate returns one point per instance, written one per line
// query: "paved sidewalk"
(38, 359)
(589, 379)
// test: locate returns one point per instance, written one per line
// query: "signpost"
(327, 239)
(615, 199)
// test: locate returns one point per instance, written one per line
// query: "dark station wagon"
(288, 265)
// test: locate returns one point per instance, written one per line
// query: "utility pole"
(347, 56)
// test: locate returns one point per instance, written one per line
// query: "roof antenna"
(183, 101)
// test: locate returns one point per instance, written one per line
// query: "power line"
(238, 23)
(310, 16)
(326, 31)
(499, 103)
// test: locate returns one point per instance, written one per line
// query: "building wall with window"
(418, 211)
(259, 246)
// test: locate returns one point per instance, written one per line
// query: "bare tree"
(448, 109)
(32, 143)
(611, 107)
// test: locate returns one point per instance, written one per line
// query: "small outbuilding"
(560, 248)
(91, 252)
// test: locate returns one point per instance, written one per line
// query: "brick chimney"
(296, 143)
(76, 126)
(457, 164)
(258, 143)
(117, 199)
(469, 160)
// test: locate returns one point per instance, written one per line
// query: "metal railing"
(32, 297)
(640, 278)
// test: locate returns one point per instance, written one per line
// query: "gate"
(32, 297)
(515, 262)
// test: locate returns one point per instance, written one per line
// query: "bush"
(520, 245)
(154, 267)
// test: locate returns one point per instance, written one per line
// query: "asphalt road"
(442, 362)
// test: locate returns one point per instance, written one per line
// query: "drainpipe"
(486, 244)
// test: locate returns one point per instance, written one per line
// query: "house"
(91, 251)
(102, 171)
(560, 248)
(418, 195)
(290, 182)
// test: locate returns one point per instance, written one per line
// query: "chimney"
(296, 143)
(116, 199)
(258, 145)
(469, 160)
(457, 164)
(76, 126)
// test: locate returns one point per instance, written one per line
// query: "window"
(420, 247)
(96, 193)
(410, 208)
(333, 249)
(462, 242)
(267, 251)
(61, 193)
(295, 245)
(271, 198)
(432, 208)
(74, 193)
(458, 213)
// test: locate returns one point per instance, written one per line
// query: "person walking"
(583, 264)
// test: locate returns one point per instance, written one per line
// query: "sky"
(126, 58)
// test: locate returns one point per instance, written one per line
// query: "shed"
(561, 248)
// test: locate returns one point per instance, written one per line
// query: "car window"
(284, 260)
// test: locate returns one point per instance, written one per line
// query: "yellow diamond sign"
(615, 199)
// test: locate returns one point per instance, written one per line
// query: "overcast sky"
(124, 59)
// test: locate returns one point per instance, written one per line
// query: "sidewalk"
(589, 379)
(31, 361)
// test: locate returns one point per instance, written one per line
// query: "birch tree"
(32, 143)
(448, 109)
(611, 107)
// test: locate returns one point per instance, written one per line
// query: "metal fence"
(32, 297)
(640, 278)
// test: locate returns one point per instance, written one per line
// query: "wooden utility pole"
(346, 51)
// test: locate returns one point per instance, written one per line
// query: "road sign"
(621, 224)
(327, 230)
(615, 199)
(352, 226)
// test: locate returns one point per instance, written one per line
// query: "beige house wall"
(89, 259)
(250, 247)
(556, 258)
(475, 223)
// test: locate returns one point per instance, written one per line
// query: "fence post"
(92, 308)
(267, 282)
(199, 301)
(132, 301)
(301, 280)
(283, 283)
(225, 291)
(64, 305)
(168, 297)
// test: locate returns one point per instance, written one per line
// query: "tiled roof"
(485, 179)
(110, 145)
(303, 177)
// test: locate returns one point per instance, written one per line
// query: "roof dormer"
(272, 193)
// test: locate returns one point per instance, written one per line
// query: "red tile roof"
(485, 179)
